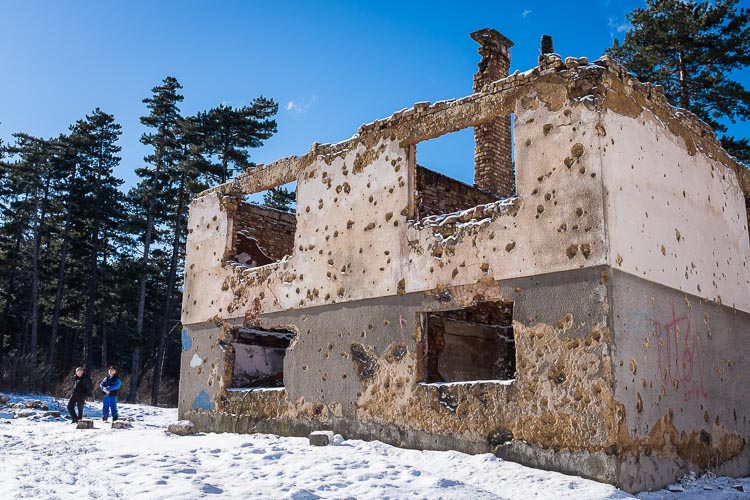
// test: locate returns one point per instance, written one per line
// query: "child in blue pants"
(109, 386)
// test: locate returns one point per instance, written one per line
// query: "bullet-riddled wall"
(364, 274)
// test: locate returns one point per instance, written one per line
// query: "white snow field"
(45, 457)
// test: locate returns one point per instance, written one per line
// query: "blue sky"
(331, 66)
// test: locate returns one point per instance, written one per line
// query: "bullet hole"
(510, 246)
(677, 234)
(540, 209)
(547, 196)
(577, 150)
(705, 437)
(579, 212)
(586, 250)
(349, 224)
(528, 142)
(568, 162)
(367, 365)
(638, 403)
(571, 251)
(485, 267)
(370, 226)
(388, 216)
(547, 128)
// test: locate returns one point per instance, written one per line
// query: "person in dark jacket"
(109, 386)
(82, 387)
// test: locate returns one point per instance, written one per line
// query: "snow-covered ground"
(47, 457)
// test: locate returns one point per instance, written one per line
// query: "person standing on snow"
(109, 386)
(82, 387)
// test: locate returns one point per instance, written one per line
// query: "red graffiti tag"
(681, 355)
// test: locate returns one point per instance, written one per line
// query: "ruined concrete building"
(595, 322)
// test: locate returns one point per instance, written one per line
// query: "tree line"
(91, 274)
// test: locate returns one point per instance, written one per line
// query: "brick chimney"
(493, 163)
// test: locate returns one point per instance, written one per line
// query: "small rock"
(181, 428)
(85, 424)
(675, 488)
(121, 425)
(23, 414)
(738, 487)
(321, 438)
(571, 62)
(54, 414)
(4, 399)
(33, 403)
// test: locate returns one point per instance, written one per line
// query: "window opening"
(264, 226)
(474, 343)
(259, 357)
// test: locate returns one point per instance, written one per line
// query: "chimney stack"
(493, 163)
(547, 47)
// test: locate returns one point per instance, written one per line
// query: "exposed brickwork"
(273, 229)
(440, 194)
(493, 162)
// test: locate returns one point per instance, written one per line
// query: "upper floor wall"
(357, 236)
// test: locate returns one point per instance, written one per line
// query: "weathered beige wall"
(675, 215)
(354, 240)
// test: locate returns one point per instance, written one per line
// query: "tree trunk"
(166, 312)
(136, 354)
(12, 286)
(684, 92)
(40, 211)
(60, 287)
(91, 294)
(103, 332)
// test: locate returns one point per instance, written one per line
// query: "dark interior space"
(259, 357)
(474, 343)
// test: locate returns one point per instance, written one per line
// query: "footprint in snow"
(211, 489)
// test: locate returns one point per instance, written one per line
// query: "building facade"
(594, 320)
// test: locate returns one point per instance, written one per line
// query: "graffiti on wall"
(680, 350)
(680, 355)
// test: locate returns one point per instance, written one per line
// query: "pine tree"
(189, 177)
(691, 48)
(279, 198)
(34, 173)
(229, 133)
(164, 117)
(102, 207)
